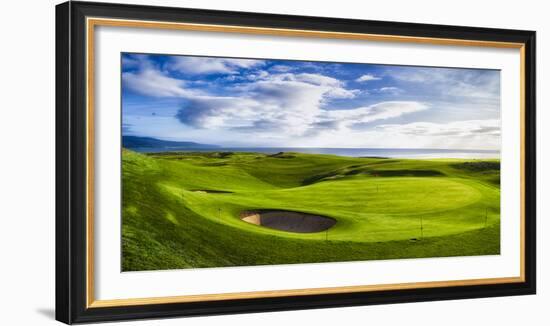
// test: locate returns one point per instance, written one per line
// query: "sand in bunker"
(288, 221)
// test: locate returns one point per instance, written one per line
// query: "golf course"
(219, 209)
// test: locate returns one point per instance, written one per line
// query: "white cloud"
(463, 83)
(379, 111)
(281, 103)
(284, 102)
(260, 74)
(389, 90)
(152, 82)
(286, 105)
(280, 68)
(205, 65)
(220, 112)
(468, 128)
(471, 134)
(149, 80)
(135, 60)
(327, 86)
(130, 61)
(339, 92)
(316, 79)
(367, 77)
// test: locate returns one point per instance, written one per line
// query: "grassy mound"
(181, 210)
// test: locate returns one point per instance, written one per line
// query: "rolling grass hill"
(182, 210)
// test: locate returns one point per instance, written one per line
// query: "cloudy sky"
(280, 103)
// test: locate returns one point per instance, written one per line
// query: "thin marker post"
(421, 228)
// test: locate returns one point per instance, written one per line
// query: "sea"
(351, 152)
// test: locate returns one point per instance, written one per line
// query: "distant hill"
(135, 142)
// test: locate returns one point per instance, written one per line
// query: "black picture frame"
(71, 158)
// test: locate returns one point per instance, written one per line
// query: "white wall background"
(27, 162)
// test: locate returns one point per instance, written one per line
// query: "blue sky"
(281, 103)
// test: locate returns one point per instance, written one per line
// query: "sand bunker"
(288, 221)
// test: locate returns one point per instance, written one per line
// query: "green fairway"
(183, 210)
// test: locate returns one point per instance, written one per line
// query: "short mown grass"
(181, 210)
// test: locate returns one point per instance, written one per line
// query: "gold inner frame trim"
(300, 292)
(92, 22)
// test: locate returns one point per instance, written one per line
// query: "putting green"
(186, 207)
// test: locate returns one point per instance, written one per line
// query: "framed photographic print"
(215, 162)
